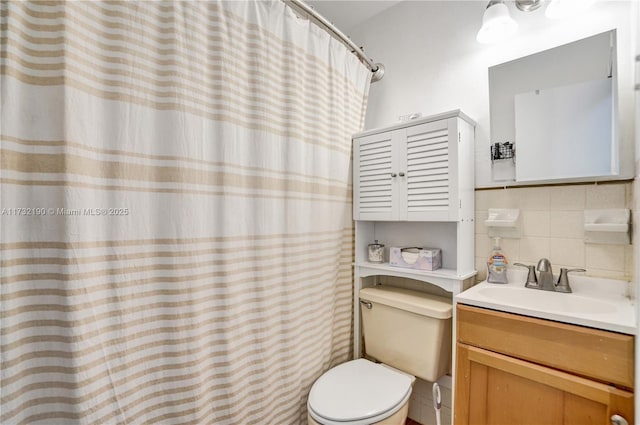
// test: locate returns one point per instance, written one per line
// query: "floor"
(411, 422)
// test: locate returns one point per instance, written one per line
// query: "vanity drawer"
(600, 355)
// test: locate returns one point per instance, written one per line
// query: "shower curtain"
(176, 234)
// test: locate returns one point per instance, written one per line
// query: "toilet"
(409, 334)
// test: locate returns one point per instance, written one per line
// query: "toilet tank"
(408, 330)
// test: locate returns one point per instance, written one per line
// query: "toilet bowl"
(360, 392)
(409, 332)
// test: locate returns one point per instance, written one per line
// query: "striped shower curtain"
(176, 235)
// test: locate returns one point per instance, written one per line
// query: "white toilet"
(410, 333)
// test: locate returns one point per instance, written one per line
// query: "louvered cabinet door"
(431, 155)
(374, 187)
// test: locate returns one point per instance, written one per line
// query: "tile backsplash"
(552, 226)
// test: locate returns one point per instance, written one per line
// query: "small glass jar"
(376, 252)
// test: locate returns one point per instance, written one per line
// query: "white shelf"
(503, 222)
(499, 223)
(610, 226)
(606, 227)
(447, 279)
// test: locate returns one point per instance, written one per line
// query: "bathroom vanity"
(568, 361)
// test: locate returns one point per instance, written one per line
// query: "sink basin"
(595, 302)
(547, 301)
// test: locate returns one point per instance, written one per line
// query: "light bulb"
(497, 24)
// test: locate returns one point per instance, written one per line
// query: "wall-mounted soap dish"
(503, 222)
(607, 226)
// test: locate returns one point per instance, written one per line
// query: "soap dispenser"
(497, 264)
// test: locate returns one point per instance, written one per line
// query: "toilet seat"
(358, 392)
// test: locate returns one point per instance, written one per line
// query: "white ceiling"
(347, 14)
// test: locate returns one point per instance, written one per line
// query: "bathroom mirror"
(559, 108)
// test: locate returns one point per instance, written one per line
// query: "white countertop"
(595, 302)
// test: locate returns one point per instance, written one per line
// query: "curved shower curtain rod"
(377, 69)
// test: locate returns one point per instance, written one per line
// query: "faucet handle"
(532, 279)
(572, 270)
(563, 280)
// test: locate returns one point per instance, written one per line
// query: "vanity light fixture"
(497, 23)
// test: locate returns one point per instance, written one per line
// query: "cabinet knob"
(618, 420)
(393, 174)
(401, 174)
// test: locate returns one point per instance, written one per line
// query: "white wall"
(433, 62)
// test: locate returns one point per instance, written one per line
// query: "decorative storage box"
(416, 258)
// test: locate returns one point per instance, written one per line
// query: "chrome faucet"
(544, 279)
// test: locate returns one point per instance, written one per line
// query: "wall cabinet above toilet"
(414, 186)
(416, 171)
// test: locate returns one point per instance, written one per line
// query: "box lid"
(413, 301)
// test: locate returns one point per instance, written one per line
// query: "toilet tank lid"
(405, 299)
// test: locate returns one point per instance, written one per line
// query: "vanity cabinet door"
(495, 389)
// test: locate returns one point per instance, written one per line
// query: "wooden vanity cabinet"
(513, 369)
